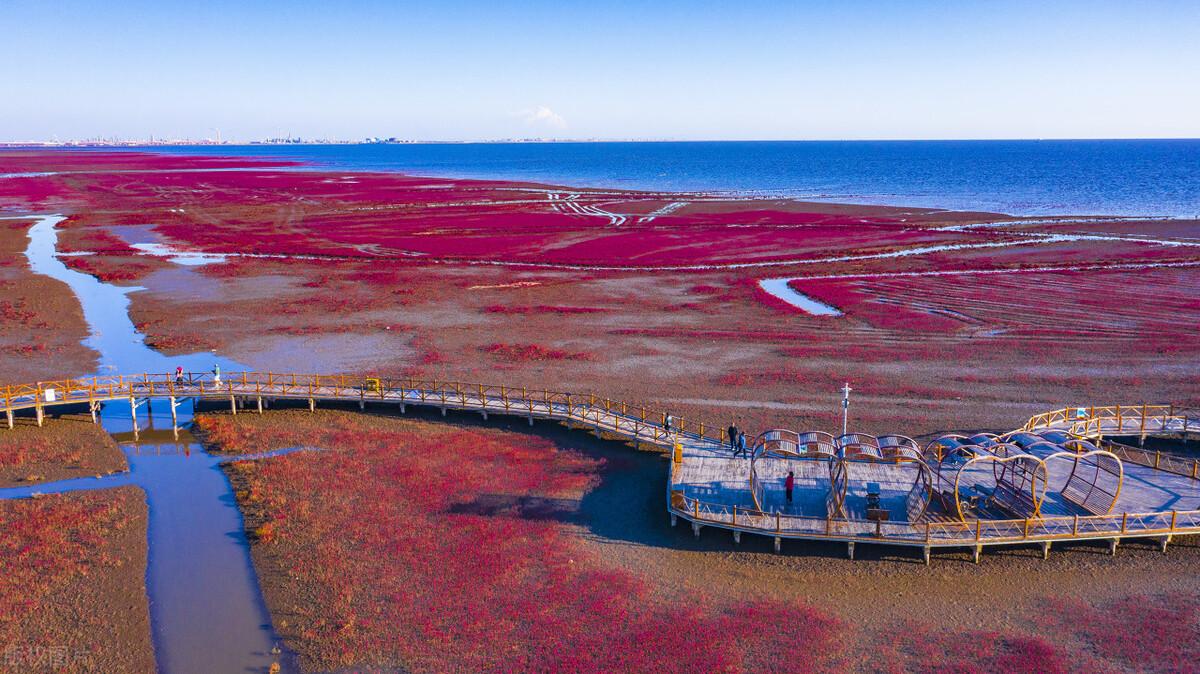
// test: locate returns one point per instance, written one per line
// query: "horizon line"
(187, 142)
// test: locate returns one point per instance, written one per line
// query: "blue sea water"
(1026, 177)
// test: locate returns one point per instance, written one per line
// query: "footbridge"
(1058, 477)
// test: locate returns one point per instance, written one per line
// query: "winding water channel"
(206, 608)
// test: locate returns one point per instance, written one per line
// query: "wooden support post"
(93, 407)
(1112, 546)
(696, 529)
(927, 551)
(530, 419)
(484, 413)
(133, 414)
(9, 414)
(312, 405)
(41, 415)
(1045, 549)
(443, 410)
(850, 550)
(260, 404)
(403, 408)
(174, 415)
(778, 544)
(737, 536)
(1142, 428)
(978, 553)
(233, 405)
(362, 403)
(1165, 541)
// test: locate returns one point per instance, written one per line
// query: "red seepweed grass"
(439, 548)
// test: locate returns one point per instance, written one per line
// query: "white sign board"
(51, 395)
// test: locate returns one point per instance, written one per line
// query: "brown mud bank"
(66, 446)
(41, 322)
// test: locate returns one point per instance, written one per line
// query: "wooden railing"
(1098, 421)
(929, 533)
(640, 423)
(1159, 461)
(485, 397)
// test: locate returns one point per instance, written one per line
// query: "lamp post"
(845, 407)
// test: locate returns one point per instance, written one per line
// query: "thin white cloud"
(544, 116)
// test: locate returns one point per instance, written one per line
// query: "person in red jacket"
(789, 484)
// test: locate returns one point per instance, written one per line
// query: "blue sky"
(600, 69)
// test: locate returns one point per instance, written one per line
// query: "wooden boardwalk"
(708, 486)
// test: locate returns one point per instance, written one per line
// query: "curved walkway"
(708, 485)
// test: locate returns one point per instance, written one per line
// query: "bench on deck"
(1015, 501)
(1091, 498)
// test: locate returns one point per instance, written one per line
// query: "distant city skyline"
(462, 71)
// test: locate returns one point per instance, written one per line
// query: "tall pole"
(845, 407)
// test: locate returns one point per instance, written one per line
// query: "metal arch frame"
(894, 446)
(997, 472)
(1010, 436)
(863, 444)
(991, 439)
(821, 446)
(1077, 458)
(1082, 446)
(1016, 475)
(771, 439)
(922, 491)
(820, 439)
(839, 480)
(839, 484)
(774, 442)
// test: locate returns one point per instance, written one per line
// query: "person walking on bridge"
(742, 442)
(789, 484)
(217, 374)
(179, 375)
(668, 421)
(733, 436)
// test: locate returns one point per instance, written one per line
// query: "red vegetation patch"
(542, 309)
(112, 269)
(928, 650)
(71, 593)
(469, 567)
(1151, 633)
(66, 447)
(524, 353)
(367, 215)
(47, 542)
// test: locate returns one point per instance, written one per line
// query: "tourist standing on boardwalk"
(742, 442)
(179, 375)
(733, 435)
(217, 374)
(668, 420)
(789, 484)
